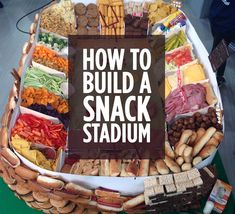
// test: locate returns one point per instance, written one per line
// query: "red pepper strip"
(40, 130)
(37, 133)
(20, 122)
(23, 134)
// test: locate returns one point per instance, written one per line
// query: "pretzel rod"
(115, 15)
(102, 16)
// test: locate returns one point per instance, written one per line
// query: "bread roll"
(77, 189)
(173, 166)
(197, 160)
(9, 157)
(26, 173)
(133, 202)
(162, 167)
(144, 167)
(40, 196)
(58, 203)
(168, 150)
(207, 151)
(7, 178)
(180, 161)
(200, 133)
(186, 167)
(115, 167)
(153, 170)
(213, 142)
(123, 170)
(204, 139)
(67, 209)
(132, 168)
(187, 154)
(4, 144)
(104, 167)
(50, 183)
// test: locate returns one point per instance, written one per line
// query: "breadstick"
(192, 139)
(121, 23)
(118, 31)
(213, 142)
(102, 22)
(173, 166)
(207, 151)
(101, 9)
(168, 150)
(219, 136)
(105, 10)
(200, 133)
(197, 160)
(180, 149)
(162, 167)
(210, 97)
(180, 161)
(103, 31)
(184, 137)
(122, 31)
(186, 167)
(117, 11)
(187, 154)
(121, 11)
(109, 11)
(117, 3)
(204, 139)
(107, 20)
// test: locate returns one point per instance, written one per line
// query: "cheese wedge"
(193, 73)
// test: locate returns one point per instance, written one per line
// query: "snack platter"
(35, 120)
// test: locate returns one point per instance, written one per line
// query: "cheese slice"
(167, 88)
(193, 73)
(173, 81)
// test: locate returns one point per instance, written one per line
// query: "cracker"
(180, 187)
(159, 189)
(150, 182)
(194, 173)
(181, 177)
(149, 192)
(170, 188)
(146, 199)
(197, 181)
(166, 179)
(187, 184)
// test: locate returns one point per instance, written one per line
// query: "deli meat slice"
(187, 99)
